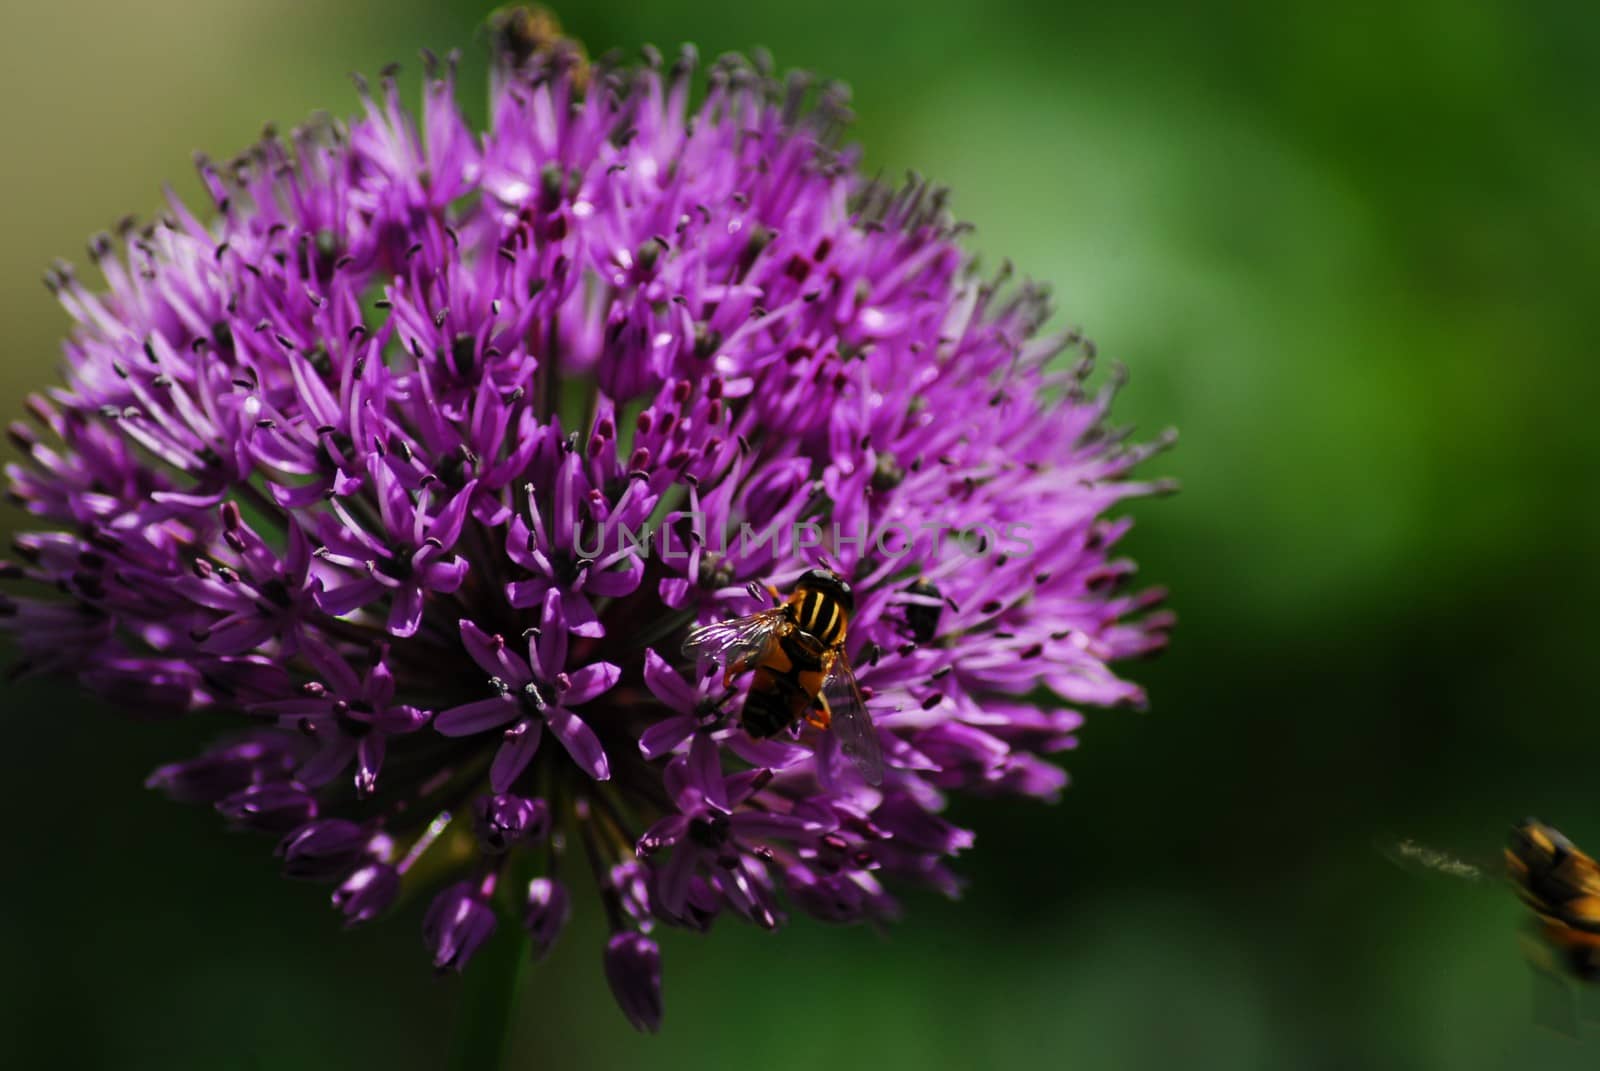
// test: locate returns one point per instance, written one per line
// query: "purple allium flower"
(413, 467)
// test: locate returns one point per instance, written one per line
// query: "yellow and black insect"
(796, 652)
(1560, 885)
(521, 32)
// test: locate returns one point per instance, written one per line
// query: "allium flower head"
(412, 464)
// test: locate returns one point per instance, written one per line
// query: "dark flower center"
(565, 566)
(709, 833)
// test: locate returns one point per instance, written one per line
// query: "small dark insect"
(796, 651)
(922, 616)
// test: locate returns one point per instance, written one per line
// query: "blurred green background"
(1354, 259)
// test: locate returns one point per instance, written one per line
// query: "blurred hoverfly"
(1560, 885)
(522, 31)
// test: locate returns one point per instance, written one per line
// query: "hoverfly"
(1561, 886)
(796, 651)
(521, 32)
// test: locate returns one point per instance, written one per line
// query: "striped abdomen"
(820, 615)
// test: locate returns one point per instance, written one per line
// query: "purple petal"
(339, 601)
(771, 754)
(763, 824)
(581, 618)
(491, 655)
(580, 742)
(478, 717)
(664, 736)
(446, 577)
(613, 583)
(379, 687)
(665, 683)
(525, 593)
(674, 592)
(705, 769)
(331, 667)
(329, 762)
(369, 761)
(550, 648)
(446, 527)
(592, 680)
(521, 741)
(673, 876)
(405, 615)
(664, 834)
(401, 720)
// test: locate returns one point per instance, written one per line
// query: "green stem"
(491, 984)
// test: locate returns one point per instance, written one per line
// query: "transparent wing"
(735, 643)
(850, 721)
(1419, 858)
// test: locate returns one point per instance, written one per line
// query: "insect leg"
(819, 715)
(743, 664)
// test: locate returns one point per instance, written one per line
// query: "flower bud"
(367, 892)
(502, 820)
(320, 851)
(633, 970)
(546, 915)
(225, 770)
(456, 924)
(269, 808)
